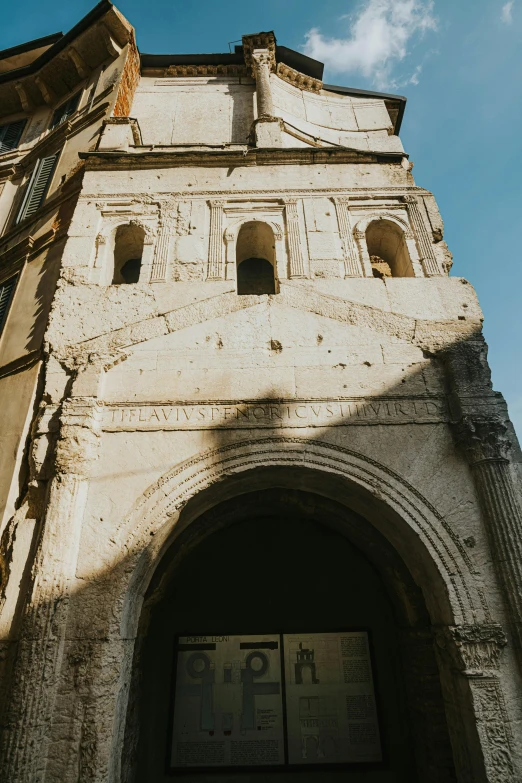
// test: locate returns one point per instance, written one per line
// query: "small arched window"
(128, 250)
(387, 249)
(255, 259)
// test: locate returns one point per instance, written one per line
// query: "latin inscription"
(274, 414)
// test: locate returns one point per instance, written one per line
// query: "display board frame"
(286, 765)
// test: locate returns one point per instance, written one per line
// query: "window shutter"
(10, 135)
(37, 188)
(65, 110)
(6, 294)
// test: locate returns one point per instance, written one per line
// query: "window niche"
(388, 251)
(128, 252)
(256, 259)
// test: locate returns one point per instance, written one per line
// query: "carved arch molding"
(406, 515)
(468, 643)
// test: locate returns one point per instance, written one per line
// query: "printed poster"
(228, 708)
(330, 701)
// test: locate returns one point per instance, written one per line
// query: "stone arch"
(231, 235)
(256, 258)
(362, 225)
(421, 536)
(233, 229)
(387, 246)
(169, 511)
(106, 244)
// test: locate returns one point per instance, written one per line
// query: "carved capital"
(474, 649)
(79, 441)
(259, 41)
(261, 57)
(482, 439)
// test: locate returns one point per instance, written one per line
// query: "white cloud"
(377, 38)
(507, 12)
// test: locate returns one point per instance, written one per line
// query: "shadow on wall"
(242, 112)
(311, 479)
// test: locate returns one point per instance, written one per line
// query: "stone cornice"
(298, 79)
(247, 157)
(226, 69)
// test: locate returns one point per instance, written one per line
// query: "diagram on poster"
(228, 708)
(330, 701)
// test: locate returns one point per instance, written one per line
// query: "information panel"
(230, 692)
(228, 702)
(330, 701)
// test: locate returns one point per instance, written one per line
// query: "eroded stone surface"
(171, 391)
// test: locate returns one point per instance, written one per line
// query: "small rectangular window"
(64, 111)
(37, 186)
(6, 294)
(11, 134)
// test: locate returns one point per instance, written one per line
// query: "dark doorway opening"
(255, 276)
(269, 562)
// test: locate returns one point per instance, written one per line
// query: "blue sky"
(458, 63)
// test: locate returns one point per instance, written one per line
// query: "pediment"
(296, 297)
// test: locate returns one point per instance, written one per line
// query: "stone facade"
(147, 414)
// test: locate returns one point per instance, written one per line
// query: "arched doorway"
(275, 560)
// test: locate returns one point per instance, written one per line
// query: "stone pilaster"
(267, 127)
(294, 239)
(262, 63)
(481, 431)
(215, 253)
(351, 262)
(483, 747)
(360, 238)
(426, 253)
(40, 648)
(161, 254)
(486, 446)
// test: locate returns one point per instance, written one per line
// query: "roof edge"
(94, 14)
(37, 43)
(401, 100)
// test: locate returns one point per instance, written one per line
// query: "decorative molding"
(240, 155)
(483, 440)
(205, 70)
(297, 79)
(493, 724)
(475, 649)
(172, 491)
(363, 223)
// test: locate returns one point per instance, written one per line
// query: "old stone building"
(260, 505)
